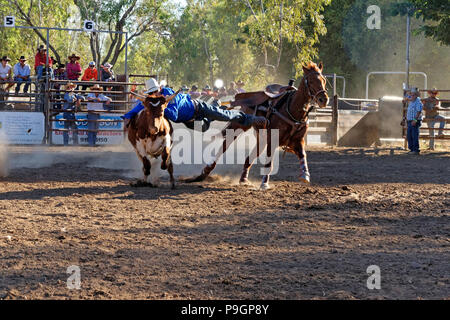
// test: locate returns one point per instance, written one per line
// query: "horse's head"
(155, 104)
(315, 84)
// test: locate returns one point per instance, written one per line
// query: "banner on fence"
(22, 127)
(114, 135)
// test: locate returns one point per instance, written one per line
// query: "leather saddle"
(252, 99)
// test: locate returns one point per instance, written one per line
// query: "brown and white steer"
(151, 136)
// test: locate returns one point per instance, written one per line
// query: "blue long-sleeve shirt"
(180, 109)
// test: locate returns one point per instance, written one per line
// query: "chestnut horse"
(287, 112)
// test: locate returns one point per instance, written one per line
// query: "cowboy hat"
(70, 86)
(433, 90)
(41, 47)
(240, 83)
(92, 63)
(5, 58)
(74, 56)
(22, 58)
(107, 65)
(151, 85)
(414, 90)
(95, 87)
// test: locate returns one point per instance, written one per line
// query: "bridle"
(311, 96)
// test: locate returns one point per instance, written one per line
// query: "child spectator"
(90, 74)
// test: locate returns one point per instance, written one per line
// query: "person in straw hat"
(431, 107)
(413, 120)
(95, 97)
(72, 102)
(22, 74)
(73, 68)
(183, 109)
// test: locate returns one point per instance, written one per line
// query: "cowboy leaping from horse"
(183, 109)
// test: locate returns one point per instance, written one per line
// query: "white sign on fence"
(22, 127)
(9, 21)
(114, 135)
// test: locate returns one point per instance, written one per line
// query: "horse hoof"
(264, 186)
(244, 182)
(140, 184)
(304, 179)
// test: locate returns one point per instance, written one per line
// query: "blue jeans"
(211, 113)
(431, 123)
(412, 134)
(92, 136)
(70, 125)
(40, 72)
(19, 83)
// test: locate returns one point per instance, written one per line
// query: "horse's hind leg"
(249, 162)
(226, 143)
(301, 154)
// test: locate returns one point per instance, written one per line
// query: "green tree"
(435, 11)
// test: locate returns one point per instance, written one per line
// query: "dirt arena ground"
(218, 240)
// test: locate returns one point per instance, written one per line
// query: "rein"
(295, 123)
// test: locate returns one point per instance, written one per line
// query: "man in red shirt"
(40, 61)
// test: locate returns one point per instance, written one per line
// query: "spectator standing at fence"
(207, 91)
(97, 102)
(22, 74)
(232, 91)
(73, 68)
(431, 108)
(90, 74)
(413, 120)
(240, 86)
(6, 72)
(194, 92)
(107, 75)
(60, 74)
(72, 102)
(40, 62)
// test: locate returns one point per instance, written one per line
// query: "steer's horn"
(138, 96)
(172, 96)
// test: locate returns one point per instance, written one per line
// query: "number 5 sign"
(10, 21)
(88, 25)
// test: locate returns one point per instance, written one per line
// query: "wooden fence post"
(334, 120)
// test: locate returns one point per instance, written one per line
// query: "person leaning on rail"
(72, 103)
(93, 125)
(431, 108)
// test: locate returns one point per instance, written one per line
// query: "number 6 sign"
(10, 21)
(88, 25)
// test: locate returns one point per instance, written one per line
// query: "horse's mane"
(312, 66)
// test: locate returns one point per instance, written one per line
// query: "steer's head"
(154, 110)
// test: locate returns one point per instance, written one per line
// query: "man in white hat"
(413, 120)
(183, 109)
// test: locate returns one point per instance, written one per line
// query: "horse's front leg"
(301, 154)
(266, 144)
